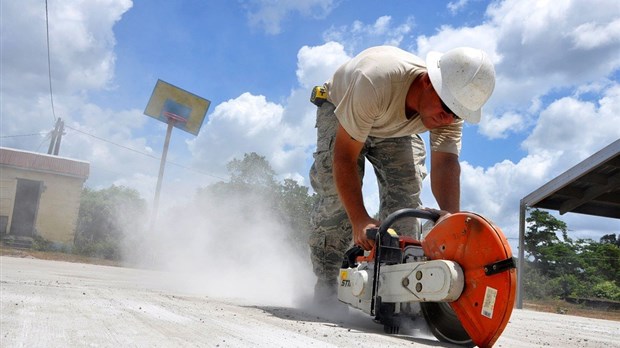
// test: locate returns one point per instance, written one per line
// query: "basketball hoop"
(178, 109)
(174, 117)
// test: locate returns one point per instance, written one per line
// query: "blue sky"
(557, 97)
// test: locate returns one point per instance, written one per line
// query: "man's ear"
(426, 79)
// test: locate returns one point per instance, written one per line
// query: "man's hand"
(359, 234)
(443, 214)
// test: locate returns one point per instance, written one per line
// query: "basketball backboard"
(187, 110)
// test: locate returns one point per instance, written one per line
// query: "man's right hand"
(359, 234)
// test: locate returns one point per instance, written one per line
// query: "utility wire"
(46, 138)
(113, 143)
(144, 153)
(49, 64)
(23, 135)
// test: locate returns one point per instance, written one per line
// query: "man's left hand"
(443, 214)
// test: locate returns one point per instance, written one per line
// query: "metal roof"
(43, 163)
(591, 187)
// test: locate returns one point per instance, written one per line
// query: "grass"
(563, 307)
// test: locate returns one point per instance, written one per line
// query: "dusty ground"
(551, 306)
(53, 303)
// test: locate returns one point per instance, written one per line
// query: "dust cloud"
(232, 248)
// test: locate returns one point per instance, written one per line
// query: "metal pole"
(50, 150)
(520, 270)
(61, 129)
(162, 165)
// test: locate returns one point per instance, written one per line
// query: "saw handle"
(371, 233)
(402, 213)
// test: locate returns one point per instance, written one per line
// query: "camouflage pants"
(399, 166)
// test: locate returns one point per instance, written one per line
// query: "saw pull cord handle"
(383, 228)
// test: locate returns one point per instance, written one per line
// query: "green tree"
(561, 267)
(105, 217)
(295, 205)
(601, 261)
(252, 171)
(250, 178)
(551, 256)
(253, 183)
(610, 239)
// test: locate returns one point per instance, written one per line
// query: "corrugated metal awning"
(591, 187)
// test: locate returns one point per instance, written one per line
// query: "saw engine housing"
(462, 274)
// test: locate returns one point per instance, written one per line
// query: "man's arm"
(445, 180)
(347, 180)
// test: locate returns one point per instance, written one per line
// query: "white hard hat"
(464, 79)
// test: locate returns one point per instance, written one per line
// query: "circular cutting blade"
(444, 323)
(485, 305)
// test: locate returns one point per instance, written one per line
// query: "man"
(377, 105)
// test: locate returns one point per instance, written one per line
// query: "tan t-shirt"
(369, 93)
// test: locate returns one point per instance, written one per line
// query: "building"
(39, 197)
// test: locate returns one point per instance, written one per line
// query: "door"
(25, 208)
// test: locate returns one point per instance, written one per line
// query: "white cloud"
(456, 6)
(592, 35)
(81, 44)
(537, 41)
(483, 37)
(575, 127)
(269, 14)
(359, 36)
(245, 124)
(249, 114)
(315, 65)
(501, 126)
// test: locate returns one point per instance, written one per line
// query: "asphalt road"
(61, 304)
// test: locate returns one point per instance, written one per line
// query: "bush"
(606, 290)
(536, 286)
(104, 249)
(106, 218)
(41, 244)
(565, 285)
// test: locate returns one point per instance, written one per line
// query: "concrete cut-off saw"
(462, 274)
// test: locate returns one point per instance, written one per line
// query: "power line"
(49, 64)
(144, 153)
(113, 143)
(24, 135)
(49, 136)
